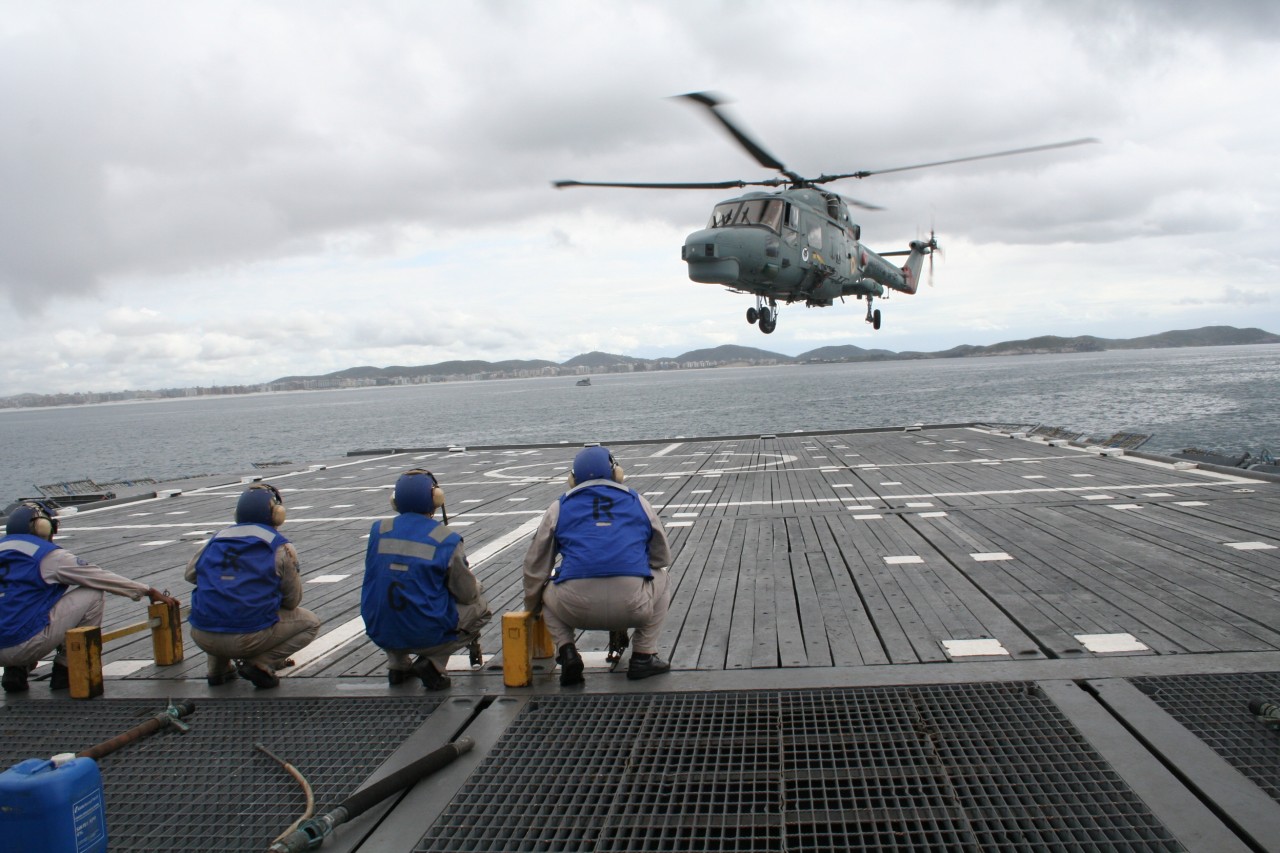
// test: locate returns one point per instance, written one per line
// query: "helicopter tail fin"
(920, 249)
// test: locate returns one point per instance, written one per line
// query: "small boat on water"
(584, 381)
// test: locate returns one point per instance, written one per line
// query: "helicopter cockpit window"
(766, 212)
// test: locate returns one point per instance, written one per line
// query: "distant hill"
(603, 362)
(600, 359)
(847, 352)
(733, 354)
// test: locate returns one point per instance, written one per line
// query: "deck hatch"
(954, 767)
(209, 789)
(1215, 708)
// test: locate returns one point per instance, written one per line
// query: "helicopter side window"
(815, 235)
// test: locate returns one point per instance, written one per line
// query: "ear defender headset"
(418, 491)
(594, 463)
(32, 519)
(260, 504)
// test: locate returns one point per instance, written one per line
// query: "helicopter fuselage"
(791, 246)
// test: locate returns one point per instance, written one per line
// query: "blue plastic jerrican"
(52, 804)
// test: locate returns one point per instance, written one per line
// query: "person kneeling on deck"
(244, 609)
(612, 571)
(47, 591)
(419, 596)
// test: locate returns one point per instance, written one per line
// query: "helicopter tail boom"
(907, 278)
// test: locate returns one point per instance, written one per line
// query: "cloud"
(227, 192)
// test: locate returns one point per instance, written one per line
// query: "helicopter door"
(791, 225)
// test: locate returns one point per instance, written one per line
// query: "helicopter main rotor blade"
(720, 185)
(763, 157)
(865, 205)
(1049, 147)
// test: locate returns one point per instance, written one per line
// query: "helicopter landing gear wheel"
(768, 320)
(752, 315)
(875, 319)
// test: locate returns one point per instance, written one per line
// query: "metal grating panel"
(209, 789)
(947, 767)
(1216, 709)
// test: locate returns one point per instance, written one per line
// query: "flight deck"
(921, 638)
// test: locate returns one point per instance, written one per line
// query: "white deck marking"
(328, 578)
(353, 628)
(990, 556)
(932, 514)
(664, 451)
(973, 648)
(867, 517)
(1250, 546)
(1125, 506)
(1103, 643)
(121, 668)
(679, 524)
(905, 560)
(1190, 503)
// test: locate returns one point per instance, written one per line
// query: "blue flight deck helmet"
(417, 491)
(260, 504)
(594, 463)
(32, 519)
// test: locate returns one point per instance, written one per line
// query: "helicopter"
(798, 243)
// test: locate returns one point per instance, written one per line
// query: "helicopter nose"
(711, 259)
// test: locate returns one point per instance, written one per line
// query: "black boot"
(432, 678)
(643, 666)
(261, 678)
(398, 676)
(571, 665)
(59, 679)
(220, 671)
(15, 679)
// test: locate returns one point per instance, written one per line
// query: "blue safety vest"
(603, 531)
(25, 597)
(405, 599)
(237, 588)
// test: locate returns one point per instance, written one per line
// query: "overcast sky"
(224, 192)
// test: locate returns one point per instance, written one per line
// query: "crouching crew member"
(612, 572)
(419, 596)
(46, 591)
(244, 609)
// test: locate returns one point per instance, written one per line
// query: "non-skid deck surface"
(869, 563)
(855, 549)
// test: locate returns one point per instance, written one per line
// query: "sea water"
(1219, 398)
